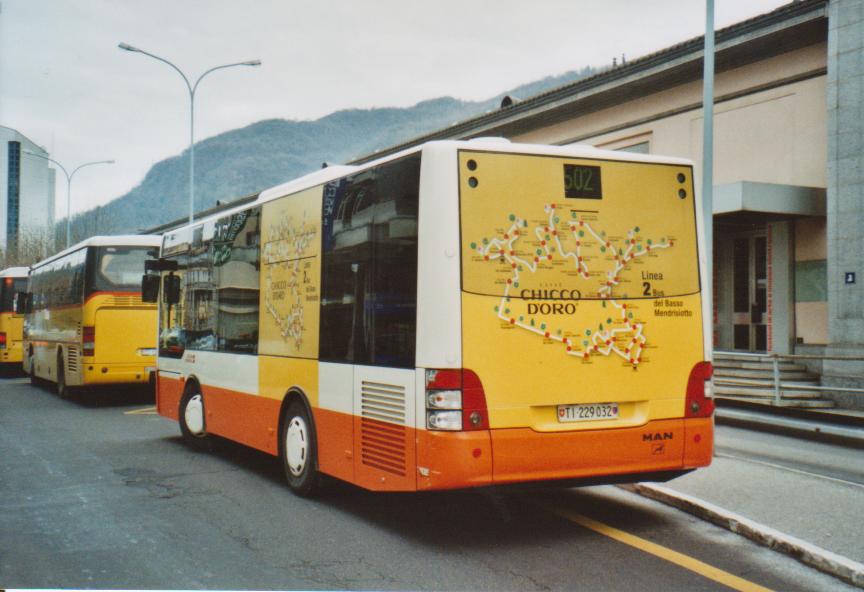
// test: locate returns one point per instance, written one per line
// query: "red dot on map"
(512, 253)
(536, 259)
(545, 229)
(549, 257)
(553, 206)
(486, 257)
(585, 355)
(509, 281)
(515, 233)
(581, 223)
(512, 321)
(554, 233)
(608, 342)
(542, 243)
(573, 228)
(546, 335)
(569, 348)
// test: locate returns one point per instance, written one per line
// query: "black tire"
(34, 380)
(195, 435)
(298, 449)
(64, 391)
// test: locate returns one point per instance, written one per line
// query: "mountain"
(247, 160)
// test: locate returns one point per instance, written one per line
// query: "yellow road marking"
(685, 561)
(143, 411)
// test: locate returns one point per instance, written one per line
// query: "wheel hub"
(296, 445)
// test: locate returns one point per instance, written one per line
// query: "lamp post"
(69, 186)
(192, 88)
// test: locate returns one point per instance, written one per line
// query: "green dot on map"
(557, 219)
(521, 319)
(639, 247)
(629, 315)
(496, 309)
(485, 241)
(473, 245)
(507, 299)
(581, 233)
(532, 322)
(506, 311)
(587, 331)
(512, 217)
(608, 321)
(539, 252)
(585, 342)
(519, 268)
(525, 223)
(636, 229)
(602, 249)
(548, 237)
(558, 331)
(543, 326)
(516, 284)
(572, 214)
(650, 242)
(602, 233)
(600, 327)
(620, 251)
(604, 304)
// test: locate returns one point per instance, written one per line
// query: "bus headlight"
(444, 420)
(147, 351)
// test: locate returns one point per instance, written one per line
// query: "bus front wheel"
(193, 426)
(299, 451)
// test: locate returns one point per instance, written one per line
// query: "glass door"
(750, 289)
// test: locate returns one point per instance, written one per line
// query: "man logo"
(657, 436)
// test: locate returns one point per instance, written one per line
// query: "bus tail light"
(2, 341)
(88, 341)
(699, 402)
(455, 401)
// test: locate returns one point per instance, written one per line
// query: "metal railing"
(779, 385)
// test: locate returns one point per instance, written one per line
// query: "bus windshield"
(119, 269)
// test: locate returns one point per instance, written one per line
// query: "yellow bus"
(13, 280)
(460, 314)
(86, 322)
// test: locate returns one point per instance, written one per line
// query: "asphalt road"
(108, 496)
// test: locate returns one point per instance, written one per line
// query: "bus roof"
(119, 240)
(331, 173)
(15, 272)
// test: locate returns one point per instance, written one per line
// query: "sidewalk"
(805, 513)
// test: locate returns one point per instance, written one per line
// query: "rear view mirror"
(24, 302)
(171, 287)
(150, 288)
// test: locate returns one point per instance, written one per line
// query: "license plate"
(593, 411)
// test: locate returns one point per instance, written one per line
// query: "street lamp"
(192, 88)
(69, 186)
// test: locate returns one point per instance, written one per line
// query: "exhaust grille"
(382, 427)
(72, 359)
(124, 300)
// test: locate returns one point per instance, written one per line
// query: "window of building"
(13, 195)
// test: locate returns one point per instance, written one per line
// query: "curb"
(821, 432)
(809, 554)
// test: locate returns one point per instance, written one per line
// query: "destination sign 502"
(582, 182)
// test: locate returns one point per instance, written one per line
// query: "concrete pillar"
(845, 100)
(782, 287)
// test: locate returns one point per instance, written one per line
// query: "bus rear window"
(8, 288)
(119, 269)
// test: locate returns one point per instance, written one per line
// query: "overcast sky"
(65, 85)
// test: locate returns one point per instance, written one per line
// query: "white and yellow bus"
(13, 280)
(460, 314)
(86, 322)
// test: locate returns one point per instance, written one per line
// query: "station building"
(788, 171)
(26, 189)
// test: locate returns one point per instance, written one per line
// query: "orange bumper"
(498, 457)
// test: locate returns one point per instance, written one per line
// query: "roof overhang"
(769, 198)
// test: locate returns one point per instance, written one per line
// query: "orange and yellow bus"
(12, 281)
(86, 322)
(460, 314)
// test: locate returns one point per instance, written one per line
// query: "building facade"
(26, 189)
(788, 210)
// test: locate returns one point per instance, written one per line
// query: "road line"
(786, 468)
(680, 559)
(143, 411)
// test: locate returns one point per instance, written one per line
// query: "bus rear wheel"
(63, 389)
(193, 425)
(298, 447)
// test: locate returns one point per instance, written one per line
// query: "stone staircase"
(749, 377)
